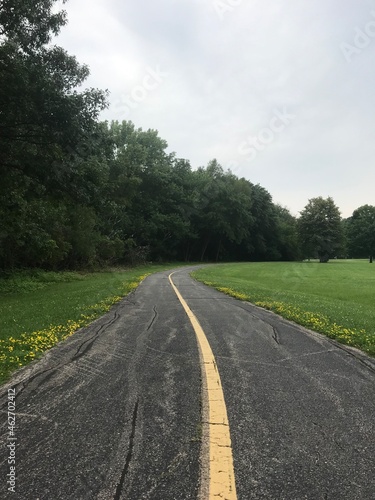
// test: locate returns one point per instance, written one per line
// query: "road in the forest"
(115, 411)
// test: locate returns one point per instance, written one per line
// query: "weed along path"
(181, 392)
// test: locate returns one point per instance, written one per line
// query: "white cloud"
(226, 77)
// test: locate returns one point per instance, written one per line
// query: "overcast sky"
(282, 92)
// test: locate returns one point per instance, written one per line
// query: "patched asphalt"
(114, 412)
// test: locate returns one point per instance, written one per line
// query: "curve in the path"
(217, 474)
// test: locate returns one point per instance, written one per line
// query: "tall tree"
(152, 190)
(287, 234)
(264, 234)
(361, 232)
(75, 192)
(30, 23)
(47, 132)
(320, 229)
(223, 210)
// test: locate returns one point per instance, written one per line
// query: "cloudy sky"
(282, 92)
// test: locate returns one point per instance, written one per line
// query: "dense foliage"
(75, 191)
(320, 229)
(361, 232)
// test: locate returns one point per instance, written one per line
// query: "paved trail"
(115, 411)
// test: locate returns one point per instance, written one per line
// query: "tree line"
(76, 191)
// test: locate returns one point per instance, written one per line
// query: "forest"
(77, 192)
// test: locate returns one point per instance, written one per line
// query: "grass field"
(39, 309)
(336, 299)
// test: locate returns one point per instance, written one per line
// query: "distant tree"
(287, 234)
(223, 210)
(264, 233)
(361, 232)
(150, 192)
(77, 192)
(320, 229)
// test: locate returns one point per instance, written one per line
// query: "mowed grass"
(336, 299)
(39, 309)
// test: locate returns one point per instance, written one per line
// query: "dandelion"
(315, 321)
(29, 345)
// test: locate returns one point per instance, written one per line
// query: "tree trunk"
(204, 247)
(370, 259)
(218, 251)
(187, 253)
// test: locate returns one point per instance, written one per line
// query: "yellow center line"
(217, 474)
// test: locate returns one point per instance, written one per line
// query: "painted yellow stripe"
(217, 476)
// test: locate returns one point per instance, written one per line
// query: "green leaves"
(75, 192)
(361, 232)
(320, 229)
(30, 23)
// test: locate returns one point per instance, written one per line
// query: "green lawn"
(336, 298)
(39, 309)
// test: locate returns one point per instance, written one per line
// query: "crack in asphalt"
(92, 339)
(77, 355)
(298, 327)
(275, 336)
(153, 319)
(129, 456)
(353, 354)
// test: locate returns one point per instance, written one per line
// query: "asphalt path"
(114, 412)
